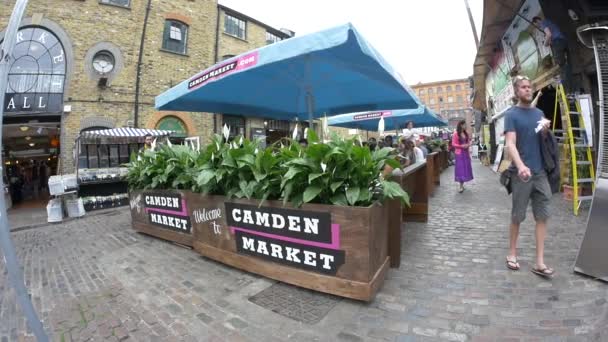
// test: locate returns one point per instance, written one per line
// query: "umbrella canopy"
(326, 73)
(124, 132)
(393, 119)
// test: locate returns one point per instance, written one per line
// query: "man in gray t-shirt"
(523, 125)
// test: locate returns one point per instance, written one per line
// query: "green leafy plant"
(340, 172)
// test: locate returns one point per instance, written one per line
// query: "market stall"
(100, 170)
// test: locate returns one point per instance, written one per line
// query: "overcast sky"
(425, 40)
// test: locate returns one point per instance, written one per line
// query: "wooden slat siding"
(414, 182)
(315, 281)
(363, 238)
(430, 173)
(394, 209)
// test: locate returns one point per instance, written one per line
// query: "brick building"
(77, 66)
(449, 99)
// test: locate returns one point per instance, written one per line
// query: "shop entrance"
(546, 103)
(30, 150)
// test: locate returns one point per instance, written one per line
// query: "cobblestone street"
(96, 279)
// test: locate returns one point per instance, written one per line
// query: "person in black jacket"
(550, 153)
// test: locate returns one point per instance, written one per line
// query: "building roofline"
(420, 84)
(269, 28)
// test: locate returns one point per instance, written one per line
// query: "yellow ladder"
(574, 139)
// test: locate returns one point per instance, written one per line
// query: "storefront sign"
(33, 103)
(167, 211)
(303, 239)
(244, 62)
(374, 115)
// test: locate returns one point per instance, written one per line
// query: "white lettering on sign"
(292, 254)
(42, 38)
(19, 36)
(262, 248)
(11, 104)
(326, 260)
(205, 215)
(262, 219)
(169, 221)
(136, 203)
(277, 251)
(247, 61)
(161, 201)
(278, 221)
(248, 243)
(25, 105)
(309, 258)
(59, 58)
(40, 103)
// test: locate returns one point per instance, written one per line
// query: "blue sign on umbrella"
(326, 73)
(393, 119)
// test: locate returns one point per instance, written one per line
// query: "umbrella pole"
(309, 107)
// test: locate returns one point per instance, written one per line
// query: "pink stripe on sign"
(183, 213)
(335, 237)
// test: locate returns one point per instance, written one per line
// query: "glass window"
(103, 156)
(421, 92)
(93, 158)
(172, 123)
(450, 99)
(432, 101)
(83, 163)
(458, 87)
(439, 90)
(431, 91)
(125, 156)
(121, 3)
(114, 159)
(236, 125)
(235, 26)
(448, 88)
(175, 36)
(272, 38)
(459, 99)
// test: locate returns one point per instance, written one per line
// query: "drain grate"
(299, 304)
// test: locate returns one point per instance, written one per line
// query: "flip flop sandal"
(513, 265)
(543, 272)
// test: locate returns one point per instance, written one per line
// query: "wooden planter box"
(331, 249)
(163, 214)
(436, 156)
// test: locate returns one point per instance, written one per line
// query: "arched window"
(439, 90)
(175, 37)
(175, 124)
(448, 89)
(37, 75)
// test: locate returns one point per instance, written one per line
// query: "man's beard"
(525, 100)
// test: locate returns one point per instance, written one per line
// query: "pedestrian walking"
(523, 124)
(463, 172)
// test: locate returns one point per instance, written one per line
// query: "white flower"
(294, 135)
(226, 132)
(169, 143)
(212, 156)
(153, 146)
(256, 151)
(359, 138)
(233, 145)
(306, 133)
(241, 141)
(323, 166)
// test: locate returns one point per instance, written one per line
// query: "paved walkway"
(96, 279)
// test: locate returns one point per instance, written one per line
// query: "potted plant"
(253, 208)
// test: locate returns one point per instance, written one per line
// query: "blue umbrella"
(326, 73)
(393, 119)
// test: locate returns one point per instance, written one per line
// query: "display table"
(333, 249)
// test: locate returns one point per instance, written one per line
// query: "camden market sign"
(296, 238)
